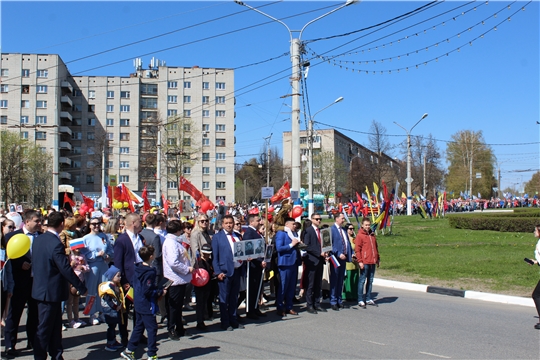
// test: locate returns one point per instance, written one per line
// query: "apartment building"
(116, 121)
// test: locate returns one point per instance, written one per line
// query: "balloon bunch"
(120, 205)
(85, 209)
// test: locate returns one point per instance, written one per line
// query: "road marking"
(441, 356)
(374, 342)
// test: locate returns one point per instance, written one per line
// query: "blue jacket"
(145, 290)
(287, 255)
(337, 243)
(124, 258)
(222, 254)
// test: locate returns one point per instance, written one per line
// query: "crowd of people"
(141, 265)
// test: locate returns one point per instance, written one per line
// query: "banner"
(188, 187)
(283, 193)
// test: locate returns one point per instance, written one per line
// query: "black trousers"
(49, 331)
(204, 303)
(314, 282)
(21, 297)
(176, 295)
(255, 275)
(536, 298)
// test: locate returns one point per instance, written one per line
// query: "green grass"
(432, 253)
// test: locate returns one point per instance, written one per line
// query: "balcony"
(66, 115)
(65, 160)
(66, 100)
(65, 130)
(65, 175)
(65, 84)
(64, 145)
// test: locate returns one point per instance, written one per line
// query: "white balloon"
(16, 218)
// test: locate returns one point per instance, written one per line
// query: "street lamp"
(409, 179)
(295, 80)
(310, 155)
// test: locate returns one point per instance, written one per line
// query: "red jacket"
(365, 247)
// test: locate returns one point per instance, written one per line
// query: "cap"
(206, 249)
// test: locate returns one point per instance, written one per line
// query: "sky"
(469, 65)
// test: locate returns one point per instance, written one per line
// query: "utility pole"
(158, 167)
(245, 191)
(424, 188)
(103, 167)
(56, 158)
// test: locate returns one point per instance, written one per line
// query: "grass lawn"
(430, 252)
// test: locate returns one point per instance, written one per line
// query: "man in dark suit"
(151, 238)
(22, 292)
(52, 275)
(314, 262)
(256, 267)
(288, 262)
(341, 248)
(228, 273)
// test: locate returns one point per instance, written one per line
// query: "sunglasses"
(95, 224)
(351, 228)
(317, 219)
(11, 227)
(237, 224)
(203, 221)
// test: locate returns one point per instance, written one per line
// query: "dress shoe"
(292, 312)
(227, 328)
(281, 313)
(202, 327)
(259, 313)
(173, 336)
(320, 309)
(311, 310)
(238, 326)
(252, 316)
(29, 346)
(12, 352)
(341, 306)
(537, 326)
(335, 307)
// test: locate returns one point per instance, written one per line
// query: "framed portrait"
(239, 253)
(326, 239)
(268, 252)
(259, 248)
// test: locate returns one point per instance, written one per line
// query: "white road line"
(374, 342)
(441, 356)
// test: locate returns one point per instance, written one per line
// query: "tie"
(343, 241)
(319, 236)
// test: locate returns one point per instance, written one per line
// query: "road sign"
(267, 192)
(409, 180)
(294, 195)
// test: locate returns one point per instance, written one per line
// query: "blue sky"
(491, 85)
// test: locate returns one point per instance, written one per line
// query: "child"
(146, 295)
(78, 264)
(202, 293)
(112, 302)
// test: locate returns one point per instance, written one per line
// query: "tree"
(329, 174)
(468, 155)
(378, 143)
(424, 150)
(532, 187)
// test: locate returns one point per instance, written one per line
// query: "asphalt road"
(406, 325)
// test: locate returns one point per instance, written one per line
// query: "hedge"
(497, 223)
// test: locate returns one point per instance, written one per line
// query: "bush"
(510, 223)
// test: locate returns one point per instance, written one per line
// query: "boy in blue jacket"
(146, 294)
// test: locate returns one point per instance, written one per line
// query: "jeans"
(366, 273)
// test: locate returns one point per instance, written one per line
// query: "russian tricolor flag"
(76, 244)
(334, 261)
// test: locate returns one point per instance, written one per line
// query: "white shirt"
(238, 263)
(344, 238)
(137, 245)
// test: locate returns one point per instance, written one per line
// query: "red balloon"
(271, 209)
(206, 205)
(84, 207)
(297, 211)
(199, 277)
(82, 212)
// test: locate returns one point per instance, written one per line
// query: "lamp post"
(295, 80)
(310, 156)
(409, 179)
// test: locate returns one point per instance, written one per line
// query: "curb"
(468, 294)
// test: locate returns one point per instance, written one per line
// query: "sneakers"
(64, 328)
(153, 357)
(82, 322)
(115, 346)
(74, 325)
(371, 302)
(129, 355)
(362, 304)
(94, 319)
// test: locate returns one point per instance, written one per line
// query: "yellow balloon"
(126, 204)
(191, 221)
(17, 246)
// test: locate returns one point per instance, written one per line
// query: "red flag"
(110, 195)
(360, 201)
(146, 203)
(118, 194)
(67, 200)
(283, 193)
(129, 195)
(89, 202)
(165, 204)
(188, 187)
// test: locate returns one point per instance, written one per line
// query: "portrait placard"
(248, 249)
(268, 252)
(326, 239)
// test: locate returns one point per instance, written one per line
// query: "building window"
(91, 122)
(41, 104)
(206, 113)
(90, 136)
(206, 185)
(41, 119)
(91, 108)
(220, 127)
(187, 113)
(206, 170)
(205, 99)
(77, 93)
(4, 72)
(89, 179)
(110, 122)
(110, 136)
(206, 127)
(125, 94)
(25, 104)
(124, 164)
(220, 156)
(76, 164)
(206, 142)
(124, 122)
(186, 142)
(187, 84)
(187, 99)
(124, 150)
(3, 104)
(149, 103)
(24, 135)
(77, 122)
(91, 94)
(4, 88)
(90, 151)
(77, 107)
(76, 136)
(171, 141)
(124, 136)
(125, 108)
(25, 73)
(220, 86)
(220, 99)
(76, 150)
(171, 170)
(25, 89)
(110, 108)
(220, 184)
(187, 170)
(43, 73)
(3, 119)
(24, 119)
(42, 89)
(124, 178)
(110, 150)
(220, 142)
(172, 185)
(220, 113)
(206, 156)
(220, 170)
(172, 84)
(205, 85)
(172, 99)
(41, 135)
(172, 112)
(109, 164)
(110, 94)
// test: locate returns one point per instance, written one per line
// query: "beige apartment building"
(116, 121)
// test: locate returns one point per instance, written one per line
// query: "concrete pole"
(424, 188)
(56, 158)
(409, 179)
(103, 168)
(158, 167)
(295, 115)
(311, 207)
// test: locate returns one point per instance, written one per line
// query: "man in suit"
(52, 275)
(341, 248)
(288, 262)
(23, 273)
(126, 249)
(314, 263)
(256, 266)
(228, 273)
